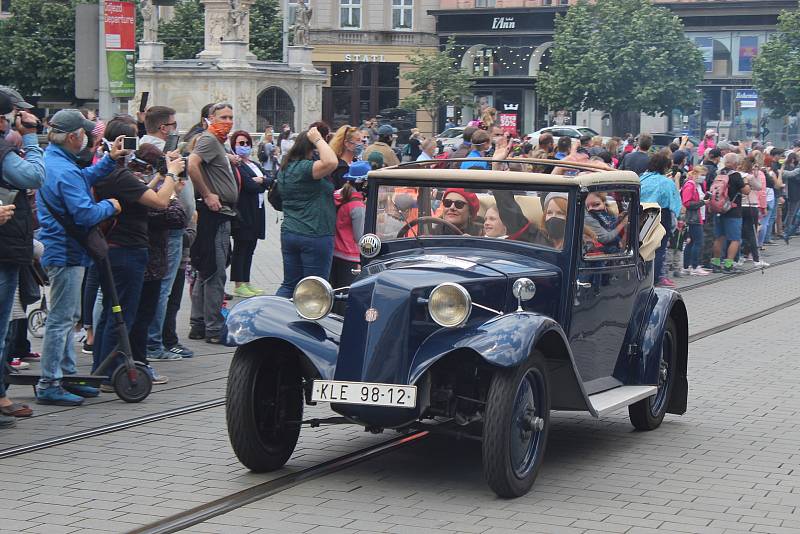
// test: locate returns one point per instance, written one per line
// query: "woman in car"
(460, 208)
(492, 224)
(608, 230)
(554, 219)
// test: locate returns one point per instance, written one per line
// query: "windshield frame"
(371, 215)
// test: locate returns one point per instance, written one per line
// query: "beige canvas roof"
(596, 175)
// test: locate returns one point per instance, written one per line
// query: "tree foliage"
(620, 56)
(37, 49)
(776, 69)
(436, 81)
(184, 34)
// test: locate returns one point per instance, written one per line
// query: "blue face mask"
(243, 151)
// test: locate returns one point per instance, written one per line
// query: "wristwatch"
(172, 175)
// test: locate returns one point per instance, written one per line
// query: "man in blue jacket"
(67, 189)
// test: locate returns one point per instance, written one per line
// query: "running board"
(617, 398)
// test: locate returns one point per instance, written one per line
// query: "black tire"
(264, 407)
(518, 397)
(647, 414)
(125, 388)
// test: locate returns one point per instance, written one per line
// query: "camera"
(130, 143)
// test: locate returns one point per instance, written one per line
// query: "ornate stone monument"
(227, 71)
(150, 49)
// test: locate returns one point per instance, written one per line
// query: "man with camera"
(67, 191)
(16, 220)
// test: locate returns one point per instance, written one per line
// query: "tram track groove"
(223, 505)
(205, 405)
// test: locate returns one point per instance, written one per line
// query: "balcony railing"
(363, 37)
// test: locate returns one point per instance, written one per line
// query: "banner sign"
(706, 47)
(120, 38)
(508, 122)
(748, 49)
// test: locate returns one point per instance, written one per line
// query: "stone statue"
(150, 17)
(237, 19)
(302, 22)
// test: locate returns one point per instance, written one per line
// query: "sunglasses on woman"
(244, 143)
(459, 204)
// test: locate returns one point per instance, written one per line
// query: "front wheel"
(132, 390)
(264, 407)
(647, 414)
(516, 426)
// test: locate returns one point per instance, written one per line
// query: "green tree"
(776, 69)
(184, 35)
(436, 81)
(621, 56)
(37, 49)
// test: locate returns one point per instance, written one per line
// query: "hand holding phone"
(130, 143)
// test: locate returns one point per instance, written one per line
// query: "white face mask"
(85, 141)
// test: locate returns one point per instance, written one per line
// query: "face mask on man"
(220, 130)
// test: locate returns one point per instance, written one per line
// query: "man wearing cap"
(384, 146)
(67, 191)
(16, 230)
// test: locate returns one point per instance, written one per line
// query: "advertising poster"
(120, 36)
(748, 50)
(508, 122)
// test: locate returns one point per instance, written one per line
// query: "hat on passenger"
(358, 171)
(70, 120)
(470, 197)
(387, 129)
(551, 196)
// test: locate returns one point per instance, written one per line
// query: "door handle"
(584, 285)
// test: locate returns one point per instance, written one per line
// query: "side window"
(606, 224)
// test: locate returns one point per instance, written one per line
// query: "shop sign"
(366, 58)
(746, 94)
(503, 23)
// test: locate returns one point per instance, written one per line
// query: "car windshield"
(587, 131)
(532, 216)
(451, 132)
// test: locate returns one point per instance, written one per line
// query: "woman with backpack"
(350, 210)
(693, 196)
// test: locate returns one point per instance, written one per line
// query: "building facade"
(364, 46)
(505, 44)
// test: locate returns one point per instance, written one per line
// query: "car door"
(605, 287)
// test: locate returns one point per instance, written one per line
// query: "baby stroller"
(38, 316)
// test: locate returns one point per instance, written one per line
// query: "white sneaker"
(686, 271)
(761, 264)
(699, 271)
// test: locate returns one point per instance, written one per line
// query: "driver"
(461, 210)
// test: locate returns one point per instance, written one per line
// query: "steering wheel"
(432, 220)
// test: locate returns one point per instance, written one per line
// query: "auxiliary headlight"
(449, 304)
(313, 298)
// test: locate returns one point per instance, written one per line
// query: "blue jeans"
(792, 220)
(691, 254)
(766, 223)
(91, 288)
(58, 354)
(304, 256)
(174, 252)
(661, 251)
(9, 278)
(127, 266)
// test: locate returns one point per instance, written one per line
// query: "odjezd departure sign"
(120, 38)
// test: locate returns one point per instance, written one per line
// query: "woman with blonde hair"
(345, 143)
(489, 117)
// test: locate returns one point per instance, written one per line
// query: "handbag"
(93, 241)
(274, 194)
(29, 291)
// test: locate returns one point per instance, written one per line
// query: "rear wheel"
(516, 426)
(647, 414)
(36, 320)
(264, 407)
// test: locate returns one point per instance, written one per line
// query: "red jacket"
(349, 226)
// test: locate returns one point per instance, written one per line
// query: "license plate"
(364, 393)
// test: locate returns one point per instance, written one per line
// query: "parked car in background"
(569, 130)
(451, 137)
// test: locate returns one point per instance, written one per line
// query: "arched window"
(275, 107)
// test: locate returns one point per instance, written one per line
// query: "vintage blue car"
(485, 299)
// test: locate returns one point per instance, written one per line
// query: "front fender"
(276, 317)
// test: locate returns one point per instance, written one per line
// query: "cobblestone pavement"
(730, 463)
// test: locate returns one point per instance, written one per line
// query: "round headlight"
(449, 304)
(313, 298)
